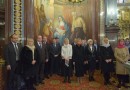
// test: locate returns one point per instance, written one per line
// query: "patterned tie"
(16, 51)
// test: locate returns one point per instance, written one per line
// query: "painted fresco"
(60, 19)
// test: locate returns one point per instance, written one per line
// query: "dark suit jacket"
(10, 54)
(43, 52)
(78, 54)
(98, 51)
(107, 53)
(91, 54)
(55, 50)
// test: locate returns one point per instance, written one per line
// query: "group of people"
(38, 60)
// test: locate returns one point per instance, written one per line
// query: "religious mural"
(61, 19)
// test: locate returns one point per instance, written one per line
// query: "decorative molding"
(17, 19)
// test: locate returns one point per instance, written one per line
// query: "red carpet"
(55, 83)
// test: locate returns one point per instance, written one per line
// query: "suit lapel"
(90, 49)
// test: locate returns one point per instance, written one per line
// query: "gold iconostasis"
(124, 21)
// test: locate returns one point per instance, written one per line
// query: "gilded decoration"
(124, 22)
(17, 17)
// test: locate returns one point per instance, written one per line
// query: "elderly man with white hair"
(91, 55)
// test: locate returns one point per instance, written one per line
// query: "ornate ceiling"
(70, 2)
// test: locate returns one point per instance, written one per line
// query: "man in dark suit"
(12, 51)
(47, 63)
(43, 57)
(84, 44)
(73, 48)
(98, 54)
(55, 51)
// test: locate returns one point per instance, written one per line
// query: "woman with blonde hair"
(66, 53)
(91, 56)
(28, 59)
(107, 57)
(122, 56)
(78, 59)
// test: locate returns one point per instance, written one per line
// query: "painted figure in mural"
(78, 27)
(42, 18)
(37, 21)
(47, 31)
(62, 31)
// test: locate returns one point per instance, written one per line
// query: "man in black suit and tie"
(84, 44)
(55, 51)
(47, 63)
(12, 51)
(98, 54)
(43, 57)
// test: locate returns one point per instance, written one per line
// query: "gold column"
(102, 20)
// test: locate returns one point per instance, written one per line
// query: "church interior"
(93, 19)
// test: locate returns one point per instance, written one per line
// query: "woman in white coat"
(66, 53)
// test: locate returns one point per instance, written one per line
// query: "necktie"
(16, 50)
(40, 45)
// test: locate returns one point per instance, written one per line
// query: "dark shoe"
(64, 81)
(33, 88)
(42, 82)
(93, 79)
(47, 77)
(119, 86)
(36, 84)
(69, 81)
(90, 79)
(109, 83)
(123, 84)
(105, 83)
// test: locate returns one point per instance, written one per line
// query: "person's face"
(54, 40)
(127, 40)
(121, 42)
(60, 19)
(79, 42)
(57, 40)
(14, 38)
(83, 41)
(30, 42)
(106, 40)
(91, 43)
(95, 41)
(39, 38)
(45, 39)
(66, 42)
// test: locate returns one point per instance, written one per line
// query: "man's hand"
(73, 63)
(110, 60)
(8, 67)
(46, 60)
(33, 62)
(107, 60)
(85, 62)
(55, 55)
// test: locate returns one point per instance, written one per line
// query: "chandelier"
(76, 1)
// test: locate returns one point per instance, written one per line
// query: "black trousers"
(40, 72)
(106, 76)
(55, 65)
(123, 78)
(67, 71)
(11, 78)
(46, 69)
(29, 82)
